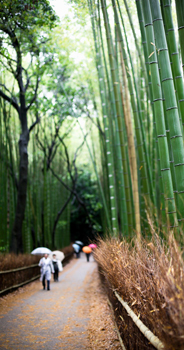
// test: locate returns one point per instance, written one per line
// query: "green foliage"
(24, 33)
(18, 14)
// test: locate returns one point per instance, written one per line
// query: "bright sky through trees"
(60, 6)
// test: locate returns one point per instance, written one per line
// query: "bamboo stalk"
(136, 42)
(144, 168)
(180, 19)
(116, 141)
(119, 113)
(174, 56)
(172, 114)
(131, 149)
(160, 118)
(107, 131)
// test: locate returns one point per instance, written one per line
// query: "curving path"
(33, 318)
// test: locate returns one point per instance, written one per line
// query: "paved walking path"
(55, 319)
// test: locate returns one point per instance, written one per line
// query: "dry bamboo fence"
(19, 285)
(15, 286)
(18, 269)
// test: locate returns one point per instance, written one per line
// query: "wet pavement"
(33, 318)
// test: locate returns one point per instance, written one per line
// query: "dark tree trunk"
(16, 239)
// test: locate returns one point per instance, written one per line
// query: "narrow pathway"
(55, 319)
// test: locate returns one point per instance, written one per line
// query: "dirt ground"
(74, 315)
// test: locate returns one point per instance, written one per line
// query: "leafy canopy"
(23, 14)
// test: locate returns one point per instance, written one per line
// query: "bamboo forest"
(91, 128)
(92, 150)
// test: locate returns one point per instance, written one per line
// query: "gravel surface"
(74, 314)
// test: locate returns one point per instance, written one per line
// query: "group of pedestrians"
(54, 266)
(49, 266)
(78, 248)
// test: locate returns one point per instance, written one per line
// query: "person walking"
(77, 249)
(46, 269)
(87, 250)
(57, 267)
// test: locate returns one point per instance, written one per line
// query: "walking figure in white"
(46, 269)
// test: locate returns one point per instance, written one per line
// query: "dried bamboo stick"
(155, 341)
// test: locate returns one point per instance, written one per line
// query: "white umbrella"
(76, 247)
(41, 250)
(59, 255)
(79, 243)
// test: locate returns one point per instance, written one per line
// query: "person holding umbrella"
(80, 244)
(92, 245)
(46, 269)
(87, 250)
(76, 248)
(57, 267)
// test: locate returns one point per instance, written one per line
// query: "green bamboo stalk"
(135, 98)
(107, 131)
(116, 141)
(136, 94)
(46, 206)
(8, 185)
(36, 190)
(174, 56)
(150, 116)
(106, 121)
(4, 176)
(159, 117)
(133, 200)
(68, 219)
(104, 167)
(171, 104)
(59, 198)
(136, 43)
(119, 112)
(147, 191)
(131, 148)
(180, 19)
(38, 204)
(144, 46)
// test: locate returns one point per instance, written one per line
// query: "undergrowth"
(150, 278)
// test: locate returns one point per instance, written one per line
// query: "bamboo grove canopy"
(143, 113)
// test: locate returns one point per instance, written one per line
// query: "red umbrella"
(92, 245)
(87, 249)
